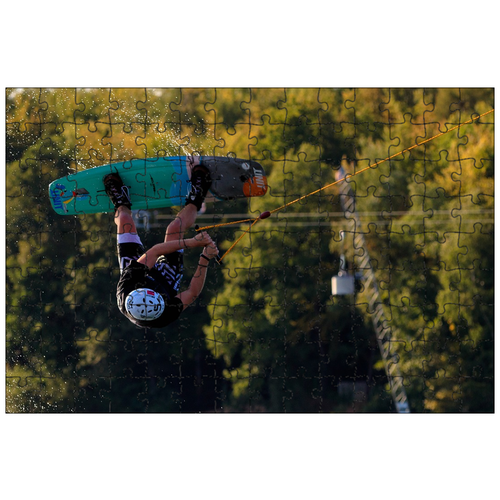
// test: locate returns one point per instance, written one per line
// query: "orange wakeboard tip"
(255, 186)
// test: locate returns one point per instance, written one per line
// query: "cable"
(264, 215)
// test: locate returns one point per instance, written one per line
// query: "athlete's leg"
(200, 183)
(129, 244)
(119, 195)
(124, 220)
(171, 266)
(184, 220)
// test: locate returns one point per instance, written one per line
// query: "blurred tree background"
(266, 335)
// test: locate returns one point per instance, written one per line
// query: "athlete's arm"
(198, 281)
(150, 257)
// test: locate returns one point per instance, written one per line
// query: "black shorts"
(168, 269)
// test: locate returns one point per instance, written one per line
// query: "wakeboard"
(156, 183)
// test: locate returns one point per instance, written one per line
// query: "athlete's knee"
(175, 229)
(123, 213)
(175, 226)
(124, 220)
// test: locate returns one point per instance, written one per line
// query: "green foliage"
(266, 335)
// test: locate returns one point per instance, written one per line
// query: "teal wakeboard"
(156, 183)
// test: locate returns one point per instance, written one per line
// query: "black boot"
(118, 193)
(200, 184)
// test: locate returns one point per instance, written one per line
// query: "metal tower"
(371, 292)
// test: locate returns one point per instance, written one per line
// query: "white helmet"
(144, 304)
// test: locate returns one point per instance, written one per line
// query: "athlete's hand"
(202, 239)
(211, 251)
